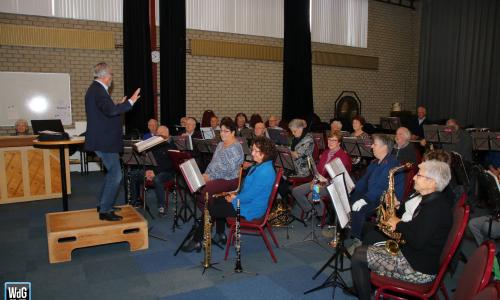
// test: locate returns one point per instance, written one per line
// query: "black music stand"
(480, 141)
(350, 146)
(278, 136)
(335, 278)
(494, 141)
(390, 123)
(448, 135)
(143, 159)
(365, 147)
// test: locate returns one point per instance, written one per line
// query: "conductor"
(104, 135)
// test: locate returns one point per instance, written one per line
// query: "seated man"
(163, 172)
(464, 144)
(418, 259)
(190, 130)
(254, 194)
(273, 122)
(404, 151)
(369, 189)
(152, 128)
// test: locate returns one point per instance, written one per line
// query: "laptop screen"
(52, 125)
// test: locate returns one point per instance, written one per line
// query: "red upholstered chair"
(491, 291)
(168, 186)
(477, 272)
(388, 287)
(257, 226)
(319, 143)
(409, 181)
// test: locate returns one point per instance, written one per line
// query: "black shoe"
(114, 208)
(220, 238)
(110, 216)
(192, 246)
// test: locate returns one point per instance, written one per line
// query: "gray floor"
(113, 272)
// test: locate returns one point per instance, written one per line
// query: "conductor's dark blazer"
(104, 121)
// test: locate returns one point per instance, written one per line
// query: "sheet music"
(207, 133)
(149, 143)
(192, 175)
(335, 167)
(339, 200)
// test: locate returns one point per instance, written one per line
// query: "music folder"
(340, 199)
(335, 168)
(207, 133)
(192, 175)
(148, 143)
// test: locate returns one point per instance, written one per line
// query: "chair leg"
(272, 235)
(268, 245)
(229, 240)
(323, 217)
(444, 291)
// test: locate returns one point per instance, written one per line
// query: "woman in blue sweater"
(254, 194)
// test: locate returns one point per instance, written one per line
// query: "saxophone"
(386, 210)
(237, 243)
(224, 194)
(207, 236)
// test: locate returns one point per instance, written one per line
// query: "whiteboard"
(34, 96)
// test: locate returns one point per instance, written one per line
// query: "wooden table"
(61, 145)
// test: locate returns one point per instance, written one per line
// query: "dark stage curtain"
(459, 73)
(173, 61)
(137, 63)
(297, 74)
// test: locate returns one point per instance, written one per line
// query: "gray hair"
(406, 132)
(438, 171)
(101, 70)
(385, 140)
(21, 121)
(297, 123)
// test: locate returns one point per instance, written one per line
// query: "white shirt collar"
(103, 85)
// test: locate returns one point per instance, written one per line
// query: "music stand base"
(209, 266)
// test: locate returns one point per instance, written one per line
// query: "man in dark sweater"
(403, 150)
(425, 235)
(159, 174)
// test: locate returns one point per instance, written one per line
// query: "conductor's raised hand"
(135, 96)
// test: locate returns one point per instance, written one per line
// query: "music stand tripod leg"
(196, 223)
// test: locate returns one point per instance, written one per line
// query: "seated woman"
(302, 147)
(22, 127)
(425, 236)
(301, 192)
(357, 124)
(254, 194)
(222, 173)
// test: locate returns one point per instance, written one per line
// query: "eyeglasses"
(225, 130)
(420, 175)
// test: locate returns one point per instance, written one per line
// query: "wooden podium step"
(82, 228)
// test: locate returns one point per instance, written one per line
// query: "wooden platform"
(82, 228)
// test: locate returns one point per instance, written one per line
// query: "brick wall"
(228, 85)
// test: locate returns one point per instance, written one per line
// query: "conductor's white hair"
(101, 70)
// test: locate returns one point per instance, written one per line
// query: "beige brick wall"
(228, 85)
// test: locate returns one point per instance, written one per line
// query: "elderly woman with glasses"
(302, 193)
(222, 173)
(418, 259)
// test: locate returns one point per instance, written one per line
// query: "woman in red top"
(302, 193)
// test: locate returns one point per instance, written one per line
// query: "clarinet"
(237, 243)
(176, 215)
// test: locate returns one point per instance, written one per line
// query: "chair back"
(409, 181)
(461, 201)
(272, 196)
(460, 219)
(316, 150)
(477, 272)
(492, 291)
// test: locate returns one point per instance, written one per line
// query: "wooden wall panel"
(13, 169)
(36, 172)
(55, 173)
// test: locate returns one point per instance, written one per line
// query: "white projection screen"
(34, 96)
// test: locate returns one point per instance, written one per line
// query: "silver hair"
(190, 119)
(101, 70)
(337, 122)
(406, 132)
(438, 171)
(21, 121)
(297, 123)
(385, 140)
